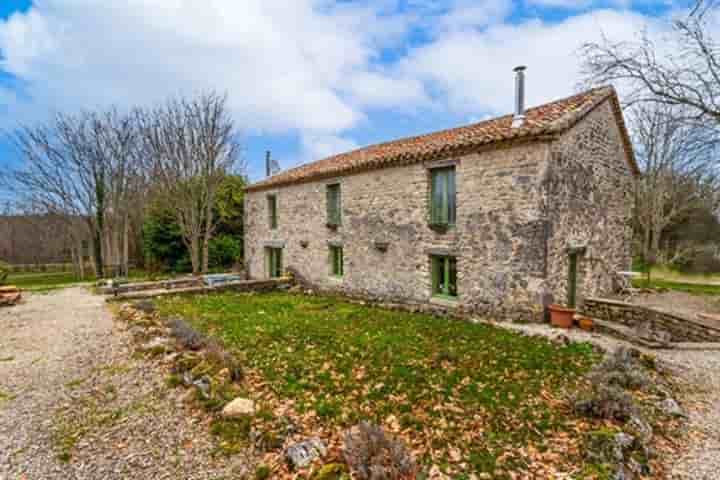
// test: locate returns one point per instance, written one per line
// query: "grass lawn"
(466, 397)
(39, 282)
(693, 287)
(45, 282)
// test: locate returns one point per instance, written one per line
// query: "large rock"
(203, 386)
(640, 428)
(240, 407)
(302, 454)
(671, 407)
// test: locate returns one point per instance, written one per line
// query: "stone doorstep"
(628, 334)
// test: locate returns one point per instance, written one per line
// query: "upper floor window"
(334, 205)
(272, 211)
(442, 196)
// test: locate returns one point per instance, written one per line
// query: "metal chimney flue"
(519, 116)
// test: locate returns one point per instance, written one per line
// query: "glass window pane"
(438, 196)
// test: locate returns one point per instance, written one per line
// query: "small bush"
(262, 472)
(216, 355)
(622, 368)
(606, 402)
(145, 306)
(186, 335)
(371, 454)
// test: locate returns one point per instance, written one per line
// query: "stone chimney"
(519, 116)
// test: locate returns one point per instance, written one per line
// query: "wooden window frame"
(440, 272)
(333, 212)
(272, 202)
(443, 216)
(337, 261)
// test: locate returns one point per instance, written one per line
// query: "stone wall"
(497, 238)
(589, 199)
(518, 208)
(680, 329)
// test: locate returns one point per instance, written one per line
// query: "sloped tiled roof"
(547, 119)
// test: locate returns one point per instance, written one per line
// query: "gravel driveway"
(74, 404)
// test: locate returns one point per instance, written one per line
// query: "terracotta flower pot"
(560, 316)
(586, 323)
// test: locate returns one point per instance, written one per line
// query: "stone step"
(625, 333)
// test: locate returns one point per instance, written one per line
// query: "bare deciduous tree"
(81, 166)
(191, 144)
(675, 158)
(681, 69)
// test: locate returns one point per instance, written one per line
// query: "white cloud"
(285, 65)
(321, 146)
(472, 70)
(311, 68)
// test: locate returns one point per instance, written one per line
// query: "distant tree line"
(152, 185)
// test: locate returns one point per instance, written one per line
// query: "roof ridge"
(546, 118)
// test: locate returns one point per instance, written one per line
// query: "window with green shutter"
(442, 196)
(337, 262)
(334, 205)
(444, 276)
(272, 211)
(274, 262)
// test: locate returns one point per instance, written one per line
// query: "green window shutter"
(272, 211)
(436, 273)
(451, 196)
(337, 261)
(442, 196)
(341, 262)
(274, 262)
(444, 276)
(334, 204)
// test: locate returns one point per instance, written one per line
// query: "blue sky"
(307, 78)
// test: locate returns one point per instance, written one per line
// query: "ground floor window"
(274, 262)
(444, 276)
(337, 262)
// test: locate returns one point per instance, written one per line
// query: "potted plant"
(561, 316)
(585, 323)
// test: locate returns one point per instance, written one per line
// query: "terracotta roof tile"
(545, 119)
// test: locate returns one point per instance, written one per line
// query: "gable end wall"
(589, 200)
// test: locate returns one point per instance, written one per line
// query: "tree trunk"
(126, 246)
(206, 237)
(81, 260)
(195, 253)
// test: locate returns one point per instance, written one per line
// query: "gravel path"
(74, 404)
(700, 372)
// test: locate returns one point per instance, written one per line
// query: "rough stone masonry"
(522, 204)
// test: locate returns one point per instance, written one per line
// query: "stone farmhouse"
(501, 218)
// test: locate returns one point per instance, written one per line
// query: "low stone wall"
(679, 328)
(176, 283)
(241, 286)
